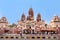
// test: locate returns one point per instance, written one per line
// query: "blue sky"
(13, 9)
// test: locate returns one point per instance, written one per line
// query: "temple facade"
(29, 28)
(30, 25)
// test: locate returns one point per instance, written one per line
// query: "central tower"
(30, 15)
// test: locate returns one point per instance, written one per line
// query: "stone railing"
(30, 36)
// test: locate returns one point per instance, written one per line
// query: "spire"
(38, 17)
(23, 17)
(28, 18)
(31, 12)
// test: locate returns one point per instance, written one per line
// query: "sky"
(13, 9)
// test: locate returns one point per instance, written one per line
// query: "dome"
(4, 19)
(55, 18)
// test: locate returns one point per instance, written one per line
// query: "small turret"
(38, 17)
(23, 17)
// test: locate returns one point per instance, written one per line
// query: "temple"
(31, 26)
(28, 25)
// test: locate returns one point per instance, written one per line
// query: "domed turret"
(4, 19)
(55, 18)
(23, 17)
(3, 22)
(38, 17)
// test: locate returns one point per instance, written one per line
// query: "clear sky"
(12, 9)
